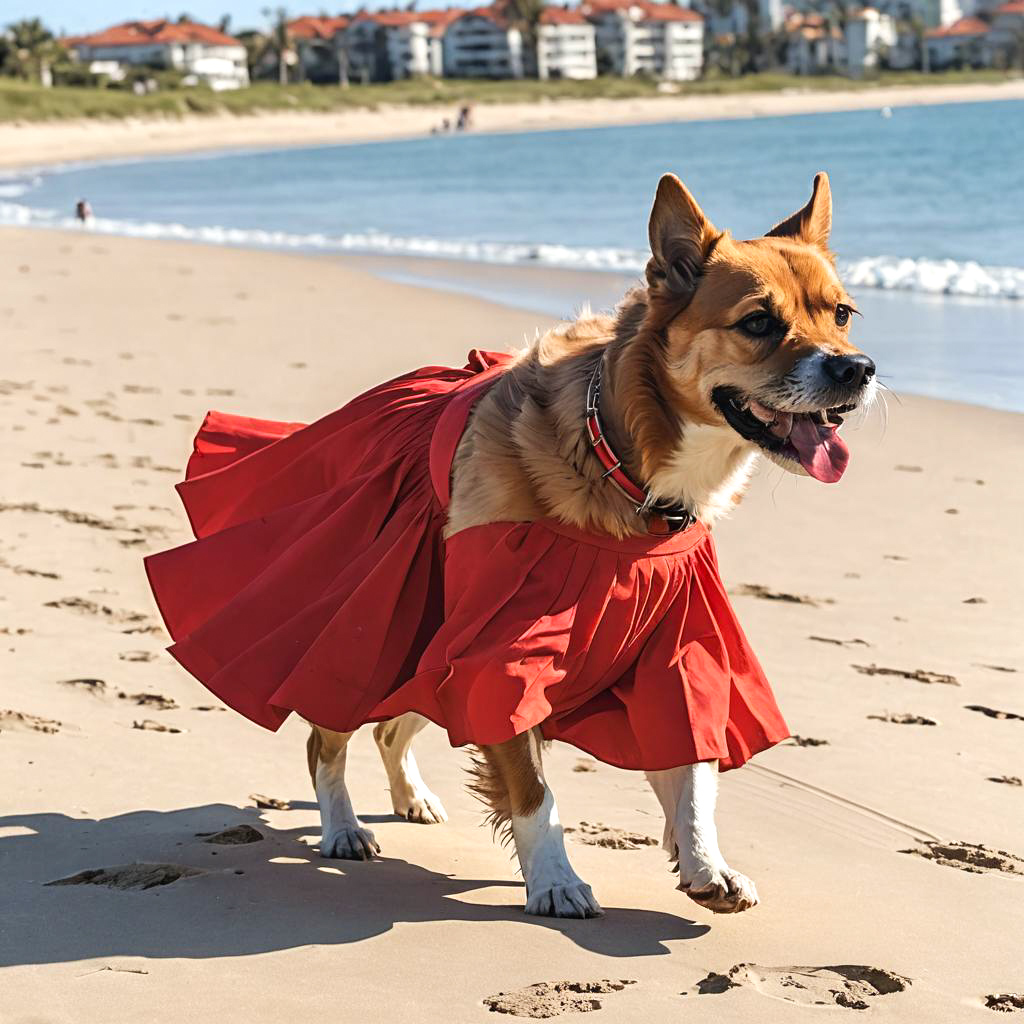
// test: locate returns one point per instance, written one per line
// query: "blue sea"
(928, 205)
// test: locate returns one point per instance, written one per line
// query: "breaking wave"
(890, 273)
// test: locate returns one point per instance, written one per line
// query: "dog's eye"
(842, 315)
(760, 324)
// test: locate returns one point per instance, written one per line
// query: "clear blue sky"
(76, 16)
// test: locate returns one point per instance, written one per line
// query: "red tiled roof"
(311, 27)
(651, 11)
(1012, 7)
(963, 27)
(490, 13)
(562, 16)
(133, 33)
(437, 20)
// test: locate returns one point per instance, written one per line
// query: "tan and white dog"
(731, 349)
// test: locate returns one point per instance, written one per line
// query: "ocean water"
(928, 208)
(926, 200)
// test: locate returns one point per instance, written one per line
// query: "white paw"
(719, 889)
(418, 805)
(350, 842)
(572, 900)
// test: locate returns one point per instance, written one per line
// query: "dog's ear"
(813, 223)
(681, 240)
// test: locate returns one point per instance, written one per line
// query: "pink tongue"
(822, 452)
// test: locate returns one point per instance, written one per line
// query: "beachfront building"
(814, 45)
(566, 44)
(962, 44)
(209, 55)
(483, 44)
(382, 46)
(1005, 40)
(636, 37)
(320, 56)
(870, 36)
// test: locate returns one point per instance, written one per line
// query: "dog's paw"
(721, 890)
(573, 900)
(350, 842)
(419, 805)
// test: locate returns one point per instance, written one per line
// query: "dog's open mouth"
(809, 438)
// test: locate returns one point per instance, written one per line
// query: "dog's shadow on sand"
(269, 895)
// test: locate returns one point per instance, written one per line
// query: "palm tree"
(280, 41)
(525, 16)
(32, 51)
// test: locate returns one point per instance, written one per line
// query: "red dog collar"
(661, 519)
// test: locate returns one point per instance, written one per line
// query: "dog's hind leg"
(687, 796)
(410, 796)
(344, 835)
(509, 778)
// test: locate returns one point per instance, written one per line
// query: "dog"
(729, 350)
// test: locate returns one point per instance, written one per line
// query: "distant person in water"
(83, 211)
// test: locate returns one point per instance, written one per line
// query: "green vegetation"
(28, 101)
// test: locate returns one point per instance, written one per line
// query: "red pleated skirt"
(320, 583)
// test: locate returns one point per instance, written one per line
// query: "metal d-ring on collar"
(661, 517)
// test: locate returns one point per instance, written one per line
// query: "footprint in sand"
(855, 642)
(974, 600)
(611, 838)
(1007, 780)
(94, 686)
(901, 719)
(130, 877)
(767, 594)
(808, 741)
(917, 675)
(1006, 1002)
(238, 835)
(1003, 716)
(909, 469)
(150, 700)
(994, 668)
(554, 998)
(583, 765)
(137, 656)
(20, 721)
(148, 725)
(848, 985)
(972, 857)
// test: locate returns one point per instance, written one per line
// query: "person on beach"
(83, 212)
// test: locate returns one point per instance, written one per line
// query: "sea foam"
(891, 273)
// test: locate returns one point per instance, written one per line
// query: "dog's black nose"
(850, 370)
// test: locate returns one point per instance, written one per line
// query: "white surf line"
(914, 831)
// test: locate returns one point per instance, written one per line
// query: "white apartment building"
(414, 41)
(214, 58)
(814, 46)
(566, 45)
(483, 44)
(639, 37)
(869, 36)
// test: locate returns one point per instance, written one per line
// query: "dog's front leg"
(510, 780)
(687, 796)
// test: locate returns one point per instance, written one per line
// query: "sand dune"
(887, 855)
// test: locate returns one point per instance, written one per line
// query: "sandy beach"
(35, 144)
(886, 610)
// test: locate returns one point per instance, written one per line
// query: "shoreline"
(38, 144)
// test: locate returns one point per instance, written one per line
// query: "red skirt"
(320, 583)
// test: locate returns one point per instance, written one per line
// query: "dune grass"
(20, 101)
